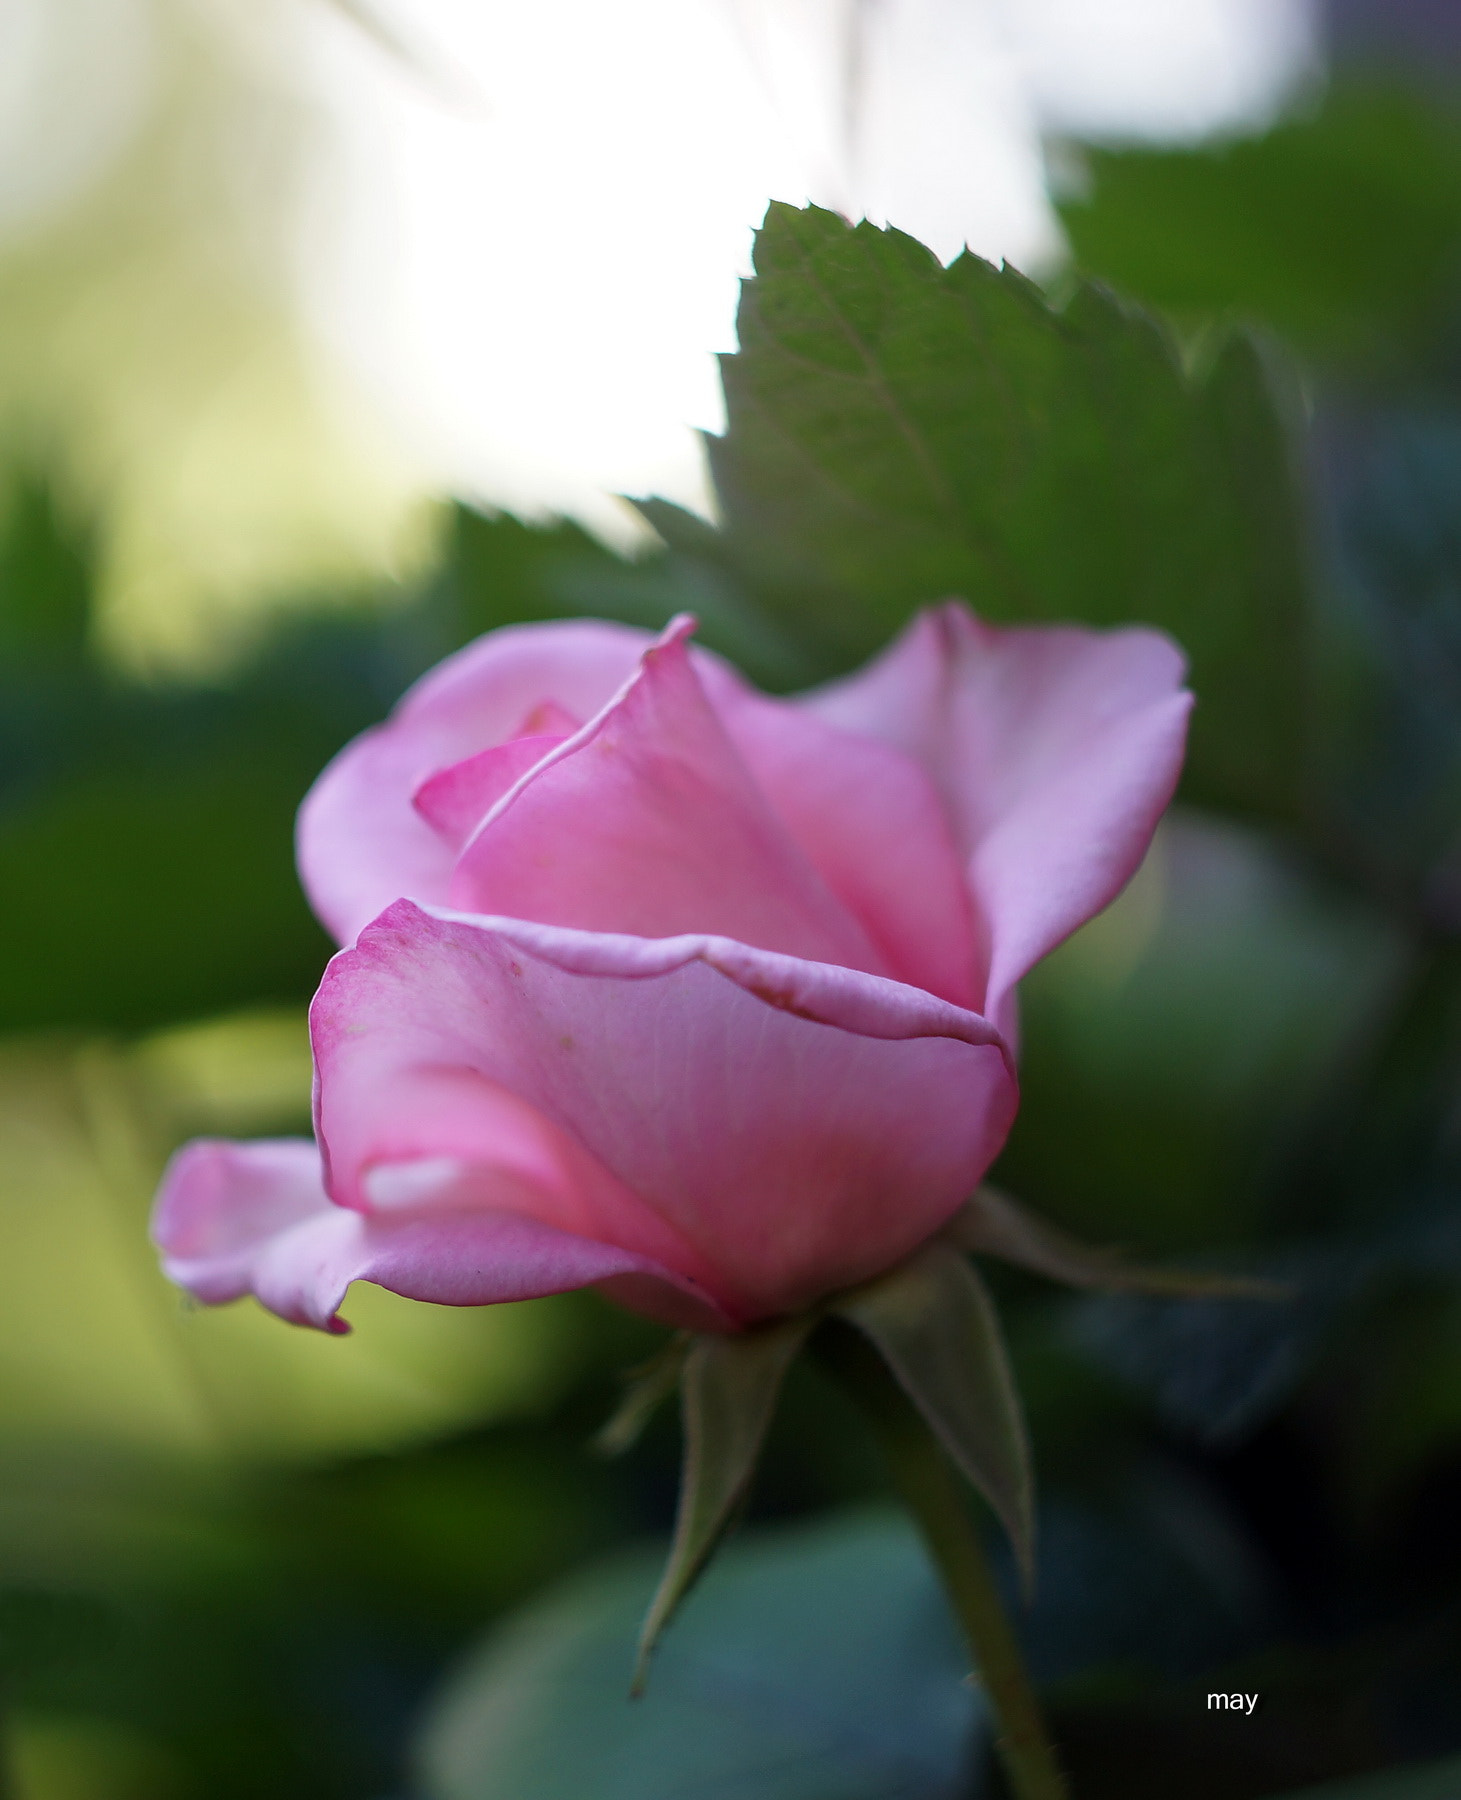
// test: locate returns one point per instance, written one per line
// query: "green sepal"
(729, 1388)
(933, 1323)
(991, 1224)
(645, 1388)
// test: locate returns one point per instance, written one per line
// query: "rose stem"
(933, 1492)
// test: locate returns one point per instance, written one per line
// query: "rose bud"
(657, 984)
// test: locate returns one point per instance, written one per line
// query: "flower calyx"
(930, 1324)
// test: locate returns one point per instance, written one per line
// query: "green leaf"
(817, 1663)
(729, 1388)
(500, 570)
(1342, 229)
(1433, 1781)
(991, 1224)
(934, 1324)
(899, 432)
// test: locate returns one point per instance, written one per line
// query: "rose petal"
(799, 1126)
(455, 800)
(1056, 748)
(874, 827)
(647, 821)
(218, 1200)
(234, 1219)
(360, 842)
(548, 719)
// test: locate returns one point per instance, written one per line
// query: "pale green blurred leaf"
(811, 1664)
(152, 341)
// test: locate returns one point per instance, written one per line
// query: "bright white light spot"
(400, 1186)
(538, 251)
(526, 249)
(538, 283)
(1164, 69)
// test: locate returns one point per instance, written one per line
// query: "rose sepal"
(931, 1322)
(646, 1386)
(992, 1224)
(729, 1386)
(933, 1328)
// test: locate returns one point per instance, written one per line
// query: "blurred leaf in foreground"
(812, 1664)
(899, 432)
(207, 1623)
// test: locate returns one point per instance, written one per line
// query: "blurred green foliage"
(146, 833)
(234, 1555)
(1436, 1781)
(1341, 229)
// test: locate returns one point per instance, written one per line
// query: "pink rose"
(696, 996)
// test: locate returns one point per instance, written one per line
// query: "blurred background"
(332, 333)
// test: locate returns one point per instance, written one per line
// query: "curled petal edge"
(867, 1005)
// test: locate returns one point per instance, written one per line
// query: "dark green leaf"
(684, 531)
(45, 579)
(1162, 1580)
(933, 1323)
(899, 432)
(1434, 1781)
(1217, 1367)
(499, 570)
(152, 895)
(815, 1664)
(1342, 229)
(729, 1387)
(146, 834)
(1390, 752)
